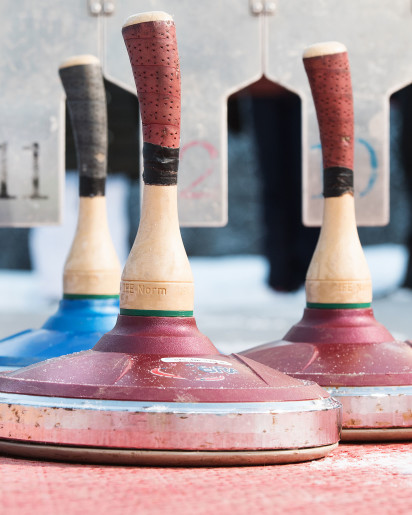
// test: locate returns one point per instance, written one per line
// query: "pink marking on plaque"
(213, 153)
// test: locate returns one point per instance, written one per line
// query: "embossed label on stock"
(159, 296)
(352, 287)
(196, 369)
(194, 360)
(142, 289)
(338, 292)
(217, 370)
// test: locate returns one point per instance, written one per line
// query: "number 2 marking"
(189, 192)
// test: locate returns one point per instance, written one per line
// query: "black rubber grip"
(86, 102)
(337, 180)
(160, 165)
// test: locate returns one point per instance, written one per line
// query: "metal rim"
(221, 408)
(362, 391)
(376, 435)
(162, 458)
(375, 412)
(142, 426)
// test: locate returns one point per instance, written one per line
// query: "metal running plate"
(375, 412)
(376, 435)
(162, 458)
(260, 426)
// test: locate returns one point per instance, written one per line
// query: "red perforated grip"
(330, 82)
(153, 54)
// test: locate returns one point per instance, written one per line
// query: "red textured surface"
(339, 347)
(330, 82)
(354, 479)
(153, 54)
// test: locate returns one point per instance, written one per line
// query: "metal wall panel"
(223, 48)
(378, 36)
(36, 37)
(220, 52)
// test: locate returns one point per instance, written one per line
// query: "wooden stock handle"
(157, 280)
(150, 40)
(338, 276)
(82, 80)
(327, 68)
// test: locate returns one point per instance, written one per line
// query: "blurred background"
(249, 274)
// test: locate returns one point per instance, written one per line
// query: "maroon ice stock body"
(339, 347)
(154, 390)
(157, 359)
(358, 362)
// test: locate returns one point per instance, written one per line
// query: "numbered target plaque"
(225, 46)
(35, 38)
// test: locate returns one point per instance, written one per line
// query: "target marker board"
(225, 45)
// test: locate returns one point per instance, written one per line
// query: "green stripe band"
(73, 296)
(154, 313)
(360, 305)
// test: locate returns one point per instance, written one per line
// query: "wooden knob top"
(327, 68)
(326, 48)
(79, 60)
(134, 19)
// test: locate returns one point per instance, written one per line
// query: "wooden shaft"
(338, 275)
(157, 279)
(92, 267)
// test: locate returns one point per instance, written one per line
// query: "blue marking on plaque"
(314, 147)
(373, 161)
(374, 166)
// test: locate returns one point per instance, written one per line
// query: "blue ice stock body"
(76, 326)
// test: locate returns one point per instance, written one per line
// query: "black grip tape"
(337, 181)
(160, 165)
(92, 186)
(86, 102)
